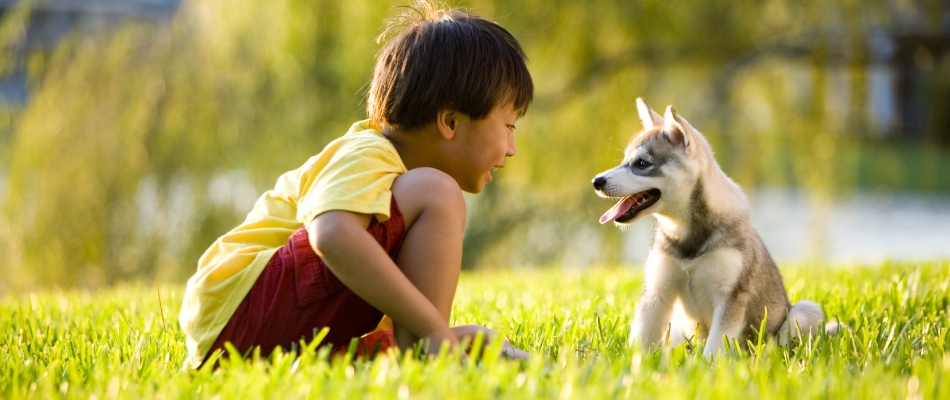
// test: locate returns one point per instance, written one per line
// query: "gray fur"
(759, 287)
(705, 253)
(660, 151)
(761, 278)
(709, 231)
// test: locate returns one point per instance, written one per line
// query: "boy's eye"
(511, 127)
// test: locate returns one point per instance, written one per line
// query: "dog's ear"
(648, 117)
(677, 129)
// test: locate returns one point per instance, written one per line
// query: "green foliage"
(142, 144)
(110, 162)
(124, 343)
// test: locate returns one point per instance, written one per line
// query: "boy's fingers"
(510, 351)
(434, 342)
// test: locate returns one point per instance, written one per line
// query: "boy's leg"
(431, 253)
(296, 295)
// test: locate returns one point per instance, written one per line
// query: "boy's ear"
(447, 121)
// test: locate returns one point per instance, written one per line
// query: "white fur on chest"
(701, 283)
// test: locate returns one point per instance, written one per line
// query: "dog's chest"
(707, 282)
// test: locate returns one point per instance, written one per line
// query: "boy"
(373, 225)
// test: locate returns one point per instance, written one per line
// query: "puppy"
(706, 262)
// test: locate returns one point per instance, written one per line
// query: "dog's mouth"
(629, 206)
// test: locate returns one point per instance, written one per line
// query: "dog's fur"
(707, 263)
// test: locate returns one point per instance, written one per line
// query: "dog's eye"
(642, 164)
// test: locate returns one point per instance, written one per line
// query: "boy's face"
(481, 146)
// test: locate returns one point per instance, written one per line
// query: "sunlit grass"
(120, 343)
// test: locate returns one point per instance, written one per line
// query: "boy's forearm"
(352, 254)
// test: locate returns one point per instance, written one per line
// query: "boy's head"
(445, 59)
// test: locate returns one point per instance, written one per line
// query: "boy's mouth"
(628, 207)
(493, 169)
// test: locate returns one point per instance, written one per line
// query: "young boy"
(373, 225)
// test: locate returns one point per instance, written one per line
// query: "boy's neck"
(418, 148)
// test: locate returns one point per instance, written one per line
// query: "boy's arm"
(340, 238)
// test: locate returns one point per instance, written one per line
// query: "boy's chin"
(474, 188)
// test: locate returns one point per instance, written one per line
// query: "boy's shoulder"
(364, 133)
(360, 142)
(362, 136)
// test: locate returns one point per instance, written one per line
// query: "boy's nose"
(512, 147)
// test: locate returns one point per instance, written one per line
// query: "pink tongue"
(617, 210)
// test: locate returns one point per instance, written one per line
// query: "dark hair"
(445, 59)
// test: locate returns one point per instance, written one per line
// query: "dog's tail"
(804, 317)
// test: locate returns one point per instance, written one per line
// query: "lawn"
(125, 343)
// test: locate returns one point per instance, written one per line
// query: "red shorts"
(297, 295)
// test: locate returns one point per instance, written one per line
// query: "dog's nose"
(599, 182)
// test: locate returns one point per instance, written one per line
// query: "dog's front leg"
(653, 313)
(728, 320)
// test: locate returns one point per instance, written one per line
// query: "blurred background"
(133, 133)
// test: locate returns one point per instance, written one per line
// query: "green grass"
(115, 344)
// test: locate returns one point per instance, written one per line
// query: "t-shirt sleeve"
(358, 180)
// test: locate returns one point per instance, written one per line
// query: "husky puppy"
(706, 262)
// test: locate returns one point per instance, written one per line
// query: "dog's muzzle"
(599, 183)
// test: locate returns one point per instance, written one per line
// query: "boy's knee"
(428, 189)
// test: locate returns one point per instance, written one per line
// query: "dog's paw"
(712, 351)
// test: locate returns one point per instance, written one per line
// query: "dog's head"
(658, 169)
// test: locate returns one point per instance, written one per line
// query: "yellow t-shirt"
(354, 173)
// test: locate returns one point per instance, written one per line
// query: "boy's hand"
(433, 342)
(507, 349)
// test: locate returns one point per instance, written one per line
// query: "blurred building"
(916, 53)
(921, 68)
(49, 21)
